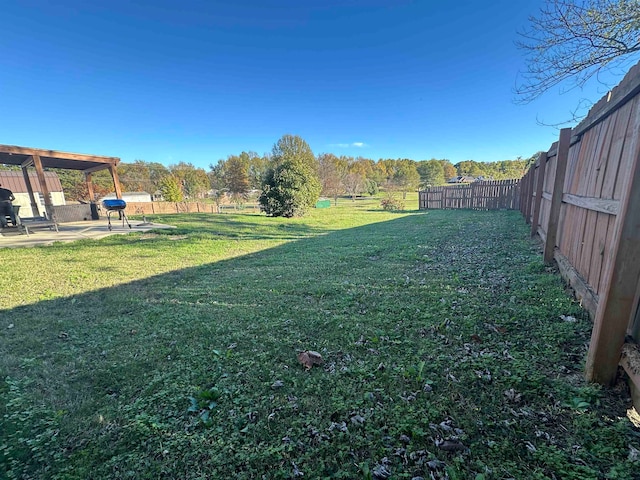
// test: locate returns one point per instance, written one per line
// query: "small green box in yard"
(323, 203)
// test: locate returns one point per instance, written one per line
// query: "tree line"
(238, 176)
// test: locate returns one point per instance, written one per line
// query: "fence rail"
(490, 195)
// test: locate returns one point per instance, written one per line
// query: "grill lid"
(114, 204)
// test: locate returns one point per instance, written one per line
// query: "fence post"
(556, 195)
(523, 194)
(618, 299)
(535, 220)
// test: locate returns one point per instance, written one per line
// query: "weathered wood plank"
(627, 157)
(584, 292)
(593, 203)
(616, 307)
(617, 143)
(556, 200)
(597, 254)
(542, 164)
(629, 361)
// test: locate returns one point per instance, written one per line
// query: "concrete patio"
(69, 232)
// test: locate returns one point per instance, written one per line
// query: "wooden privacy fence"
(491, 195)
(150, 208)
(582, 197)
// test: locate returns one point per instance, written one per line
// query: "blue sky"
(196, 81)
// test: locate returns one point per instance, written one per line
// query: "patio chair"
(13, 220)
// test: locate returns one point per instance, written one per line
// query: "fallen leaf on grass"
(309, 358)
(634, 454)
(634, 417)
(296, 471)
(450, 445)
(436, 464)
(495, 328)
(476, 338)
(357, 420)
(381, 472)
(513, 396)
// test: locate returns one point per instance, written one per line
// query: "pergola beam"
(97, 169)
(15, 150)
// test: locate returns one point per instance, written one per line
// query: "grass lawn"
(174, 354)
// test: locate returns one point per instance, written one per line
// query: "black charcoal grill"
(116, 205)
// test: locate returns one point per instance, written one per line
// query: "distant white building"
(14, 181)
(130, 197)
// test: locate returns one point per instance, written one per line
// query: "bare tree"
(573, 40)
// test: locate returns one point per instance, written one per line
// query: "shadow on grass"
(100, 382)
(230, 226)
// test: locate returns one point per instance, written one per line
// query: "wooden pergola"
(40, 159)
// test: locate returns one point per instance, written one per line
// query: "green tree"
(449, 170)
(371, 187)
(236, 176)
(385, 170)
(257, 168)
(291, 185)
(194, 181)
(293, 147)
(171, 189)
(75, 186)
(157, 172)
(470, 167)
(431, 173)
(406, 176)
(573, 40)
(141, 176)
(217, 182)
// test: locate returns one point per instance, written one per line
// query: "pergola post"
(27, 180)
(87, 179)
(43, 186)
(116, 181)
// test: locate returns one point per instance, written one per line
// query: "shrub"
(291, 184)
(392, 204)
(289, 190)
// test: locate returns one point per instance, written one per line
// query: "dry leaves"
(450, 445)
(309, 358)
